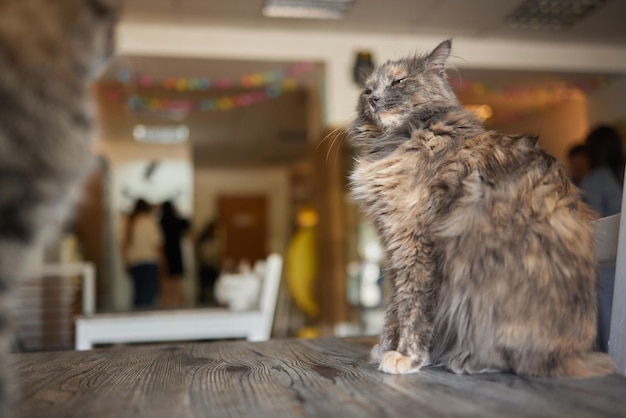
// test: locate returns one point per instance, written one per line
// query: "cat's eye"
(398, 81)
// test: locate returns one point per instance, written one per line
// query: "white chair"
(185, 324)
(611, 249)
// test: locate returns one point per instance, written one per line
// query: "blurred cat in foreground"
(50, 52)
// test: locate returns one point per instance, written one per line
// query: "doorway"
(243, 225)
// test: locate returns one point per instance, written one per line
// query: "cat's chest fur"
(396, 190)
(392, 181)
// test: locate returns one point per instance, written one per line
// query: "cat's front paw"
(394, 362)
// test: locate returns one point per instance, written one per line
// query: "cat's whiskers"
(342, 139)
(333, 132)
(339, 137)
(332, 136)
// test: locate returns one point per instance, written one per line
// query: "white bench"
(185, 324)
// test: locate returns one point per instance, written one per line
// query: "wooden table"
(286, 378)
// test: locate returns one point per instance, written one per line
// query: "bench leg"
(83, 341)
(257, 335)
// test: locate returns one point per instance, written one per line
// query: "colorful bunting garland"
(137, 103)
(272, 84)
(480, 88)
(267, 85)
(183, 84)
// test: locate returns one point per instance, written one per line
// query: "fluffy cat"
(50, 51)
(489, 248)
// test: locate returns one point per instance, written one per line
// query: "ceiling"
(483, 19)
(255, 135)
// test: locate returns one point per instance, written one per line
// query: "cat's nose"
(374, 101)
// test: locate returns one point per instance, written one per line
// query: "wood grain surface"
(286, 378)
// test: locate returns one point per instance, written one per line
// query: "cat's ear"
(437, 59)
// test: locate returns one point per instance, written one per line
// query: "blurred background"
(234, 111)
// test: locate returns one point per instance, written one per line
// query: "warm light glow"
(307, 218)
(484, 112)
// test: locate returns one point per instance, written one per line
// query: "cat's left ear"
(437, 59)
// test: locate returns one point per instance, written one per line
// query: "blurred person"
(142, 246)
(602, 190)
(578, 163)
(602, 186)
(173, 228)
(208, 257)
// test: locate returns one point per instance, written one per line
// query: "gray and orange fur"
(489, 249)
(50, 51)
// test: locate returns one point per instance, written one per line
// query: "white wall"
(337, 51)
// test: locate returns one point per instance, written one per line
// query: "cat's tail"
(587, 364)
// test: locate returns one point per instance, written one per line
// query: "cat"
(489, 248)
(50, 51)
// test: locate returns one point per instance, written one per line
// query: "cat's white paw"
(394, 362)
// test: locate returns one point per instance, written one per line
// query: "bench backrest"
(269, 291)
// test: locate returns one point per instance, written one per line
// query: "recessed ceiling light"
(552, 14)
(161, 134)
(306, 9)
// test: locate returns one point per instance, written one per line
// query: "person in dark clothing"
(173, 227)
(578, 164)
(208, 258)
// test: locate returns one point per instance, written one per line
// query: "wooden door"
(243, 227)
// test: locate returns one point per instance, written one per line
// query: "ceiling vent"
(306, 9)
(552, 14)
